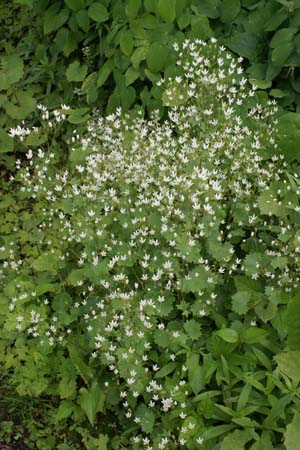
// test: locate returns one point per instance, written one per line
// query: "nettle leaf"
(228, 335)
(293, 323)
(91, 401)
(240, 302)
(236, 440)
(6, 142)
(292, 434)
(98, 12)
(193, 329)
(76, 72)
(289, 364)
(45, 263)
(65, 409)
(11, 70)
(147, 418)
(24, 105)
(167, 10)
(253, 335)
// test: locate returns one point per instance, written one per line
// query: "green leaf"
(289, 364)
(132, 8)
(228, 335)
(75, 276)
(236, 440)
(289, 136)
(83, 20)
(167, 10)
(98, 12)
(282, 36)
(166, 370)
(104, 72)
(292, 434)
(200, 27)
(54, 18)
(253, 335)
(126, 42)
(64, 410)
(217, 431)
(11, 70)
(92, 401)
(25, 104)
(75, 5)
(244, 44)
(229, 10)
(76, 72)
(147, 418)
(131, 75)
(157, 57)
(78, 115)
(6, 142)
(281, 53)
(193, 329)
(83, 369)
(240, 302)
(45, 263)
(209, 8)
(293, 323)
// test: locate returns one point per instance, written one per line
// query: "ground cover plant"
(150, 283)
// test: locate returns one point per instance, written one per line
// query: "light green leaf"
(98, 12)
(236, 440)
(289, 364)
(45, 263)
(147, 418)
(132, 8)
(157, 57)
(228, 335)
(131, 75)
(25, 104)
(104, 72)
(166, 370)
(11, 70)
(167, 10)
(193, 329)
(6, 142)
(126, 42)
(78, 115)
(64, 410)
(292, 434)
(76, 72)
(138, 56)
(92, 401)
(200, 27)
(240, 302)
(253, 335)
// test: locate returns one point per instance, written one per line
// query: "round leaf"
(98, 12)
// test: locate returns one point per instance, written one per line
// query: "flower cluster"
(145, 234)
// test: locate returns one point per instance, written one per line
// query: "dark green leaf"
(167, 10)
(98, 12)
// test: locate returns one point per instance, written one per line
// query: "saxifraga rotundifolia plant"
(159, 248)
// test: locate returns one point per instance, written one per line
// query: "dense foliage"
(150, 283)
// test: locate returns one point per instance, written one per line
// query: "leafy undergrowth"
(150, 286)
